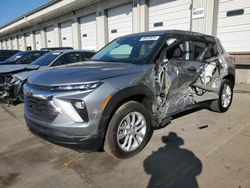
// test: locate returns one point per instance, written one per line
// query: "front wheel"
(129, 130)
(21, 96)
(225, 97)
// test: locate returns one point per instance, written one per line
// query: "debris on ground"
(227, 167)
(203, 127)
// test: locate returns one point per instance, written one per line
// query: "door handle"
(192, 69)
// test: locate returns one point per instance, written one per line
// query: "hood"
(91, 71)
(17, 68)
(23, 75)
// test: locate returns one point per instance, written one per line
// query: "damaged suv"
(132, 86)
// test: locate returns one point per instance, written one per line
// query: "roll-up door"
(88, 32)
(120, 21)
(13, 43)
(50, 36)
(165, 14)
(4, 44)
(66, 34)
(20, 42)
(233, 27)
(38, 41)
(28, 41)
(9, 44)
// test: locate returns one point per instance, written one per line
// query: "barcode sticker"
(149, 38)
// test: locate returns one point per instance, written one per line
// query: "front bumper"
(59, 136)
(9, 91)
(52, 115)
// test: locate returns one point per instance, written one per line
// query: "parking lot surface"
(200, 149)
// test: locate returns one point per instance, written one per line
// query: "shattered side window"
(197, 49)
(175, 52)
(213, 52)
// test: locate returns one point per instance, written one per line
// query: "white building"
(90, 24)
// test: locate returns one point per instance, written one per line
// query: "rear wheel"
(129, 130)
(225, 97)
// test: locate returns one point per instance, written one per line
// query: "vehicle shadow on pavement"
(172, 166)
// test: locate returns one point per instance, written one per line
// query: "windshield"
(129, 49)
(46, 59)
(15, 57)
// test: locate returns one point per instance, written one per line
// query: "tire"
(131, 140)
(21, 96)
(218, 105)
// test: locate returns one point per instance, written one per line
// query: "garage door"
(166, 14)
(13, 43)
(38, 41)
(50, 36)
(4, 44)
(28, 41)
(66, 34)
(8, 44)
(119, 21)
(20, 43)
(88, 32)
(234, 25)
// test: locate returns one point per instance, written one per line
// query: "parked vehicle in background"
(132, 86)
(5, 54)
(12, 77)
(57, 48)
(23, 57)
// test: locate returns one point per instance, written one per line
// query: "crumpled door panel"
(208, 84)
(175, 86)
(181, 83)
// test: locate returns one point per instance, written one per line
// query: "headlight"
(81, 87)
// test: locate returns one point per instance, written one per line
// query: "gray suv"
(134, 85)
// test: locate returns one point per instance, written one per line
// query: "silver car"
(13, 77)
(133, 85)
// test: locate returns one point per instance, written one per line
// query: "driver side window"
(179, 52)
(186, 50)
(212, 52)
(197, 49)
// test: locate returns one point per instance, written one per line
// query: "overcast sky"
(11, 9)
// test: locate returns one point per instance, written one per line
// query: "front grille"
(40, 109)
(5, 79)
